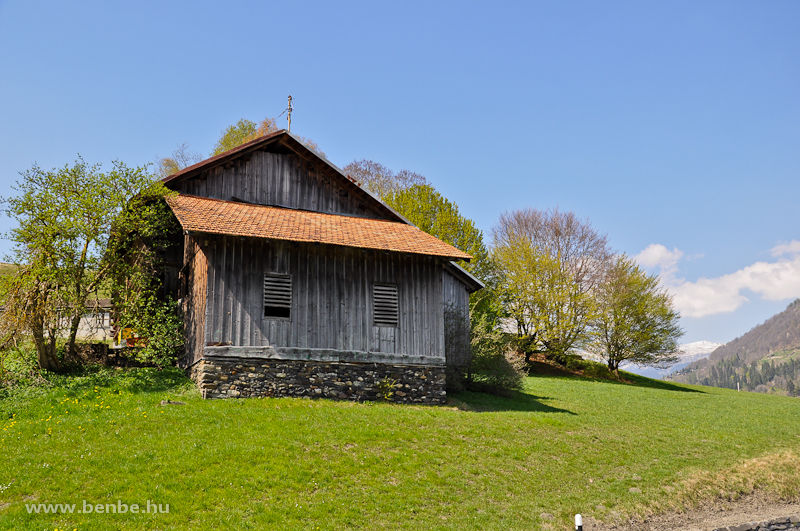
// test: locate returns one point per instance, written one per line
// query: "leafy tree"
(550, 263)
(244, 131)
(64, 217)
(426, 208)
(433, 213)
(485, 363)
(381, 180)
(635, 320)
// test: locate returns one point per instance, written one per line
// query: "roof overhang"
(214, 216)
(472, 284)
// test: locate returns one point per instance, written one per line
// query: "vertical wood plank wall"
(331, 297)
(278, 180)
(454, 292)
(456, 304)
(193, 296)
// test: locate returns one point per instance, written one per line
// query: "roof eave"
(472, 283)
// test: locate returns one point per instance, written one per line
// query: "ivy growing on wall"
(141, 240)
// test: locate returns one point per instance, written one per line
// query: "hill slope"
(767, 358)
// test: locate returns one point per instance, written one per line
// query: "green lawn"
(564, 446)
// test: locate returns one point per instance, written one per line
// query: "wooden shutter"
(277, 295)
(384, 304)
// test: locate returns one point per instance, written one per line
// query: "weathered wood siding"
(456, 320)
(278, 180)
(331, 297)
(193, 294)
(454, 292)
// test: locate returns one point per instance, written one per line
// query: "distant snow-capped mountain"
(687, 353)
(690, 352)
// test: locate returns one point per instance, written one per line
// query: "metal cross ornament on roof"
(289, 114)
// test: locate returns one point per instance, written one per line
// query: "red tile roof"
(214, 216)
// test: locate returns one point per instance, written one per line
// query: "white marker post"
(578, 522)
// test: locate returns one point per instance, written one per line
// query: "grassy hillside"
(7, 269)
(564, 446)
(741, 361)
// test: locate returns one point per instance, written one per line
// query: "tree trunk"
(45, 350)
(73, 334)
(79, 304)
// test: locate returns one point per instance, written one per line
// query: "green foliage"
(426, 208)
(549, 262)
(18, 367)
(493, 368)
(64, 218)
(142, 237)
(635, 320)
(244, 131)
(540, 293)
(157, 322)
(235, 135)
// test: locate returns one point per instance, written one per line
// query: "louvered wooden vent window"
(384, 299)
(277, 295)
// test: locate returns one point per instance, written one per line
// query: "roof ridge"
(274, 135)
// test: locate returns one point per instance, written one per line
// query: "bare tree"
(551, 262)
(380, 180)
(181, 158)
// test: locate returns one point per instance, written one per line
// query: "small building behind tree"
(295, 281)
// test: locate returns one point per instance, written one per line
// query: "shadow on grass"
(642, 381)
(597, 372)
(515, 401)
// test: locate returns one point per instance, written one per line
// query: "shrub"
(493, 368)
(457, 350)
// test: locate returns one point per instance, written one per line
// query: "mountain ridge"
(765, 359)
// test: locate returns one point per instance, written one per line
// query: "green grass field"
(564, 446)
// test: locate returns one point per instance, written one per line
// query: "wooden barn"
(298, 282)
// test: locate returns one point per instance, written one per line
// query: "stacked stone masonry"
(778, 524)
(248, 377)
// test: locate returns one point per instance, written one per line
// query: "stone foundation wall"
(248, 377)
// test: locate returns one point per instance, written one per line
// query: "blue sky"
(672, 126)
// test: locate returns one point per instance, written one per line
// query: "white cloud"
(707, 296)
(793, 247)
(656, 255)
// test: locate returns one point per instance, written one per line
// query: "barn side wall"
(331, 302)
(279, 180)
(456, 321)
(240, 378)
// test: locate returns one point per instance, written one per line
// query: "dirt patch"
(706, 517)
